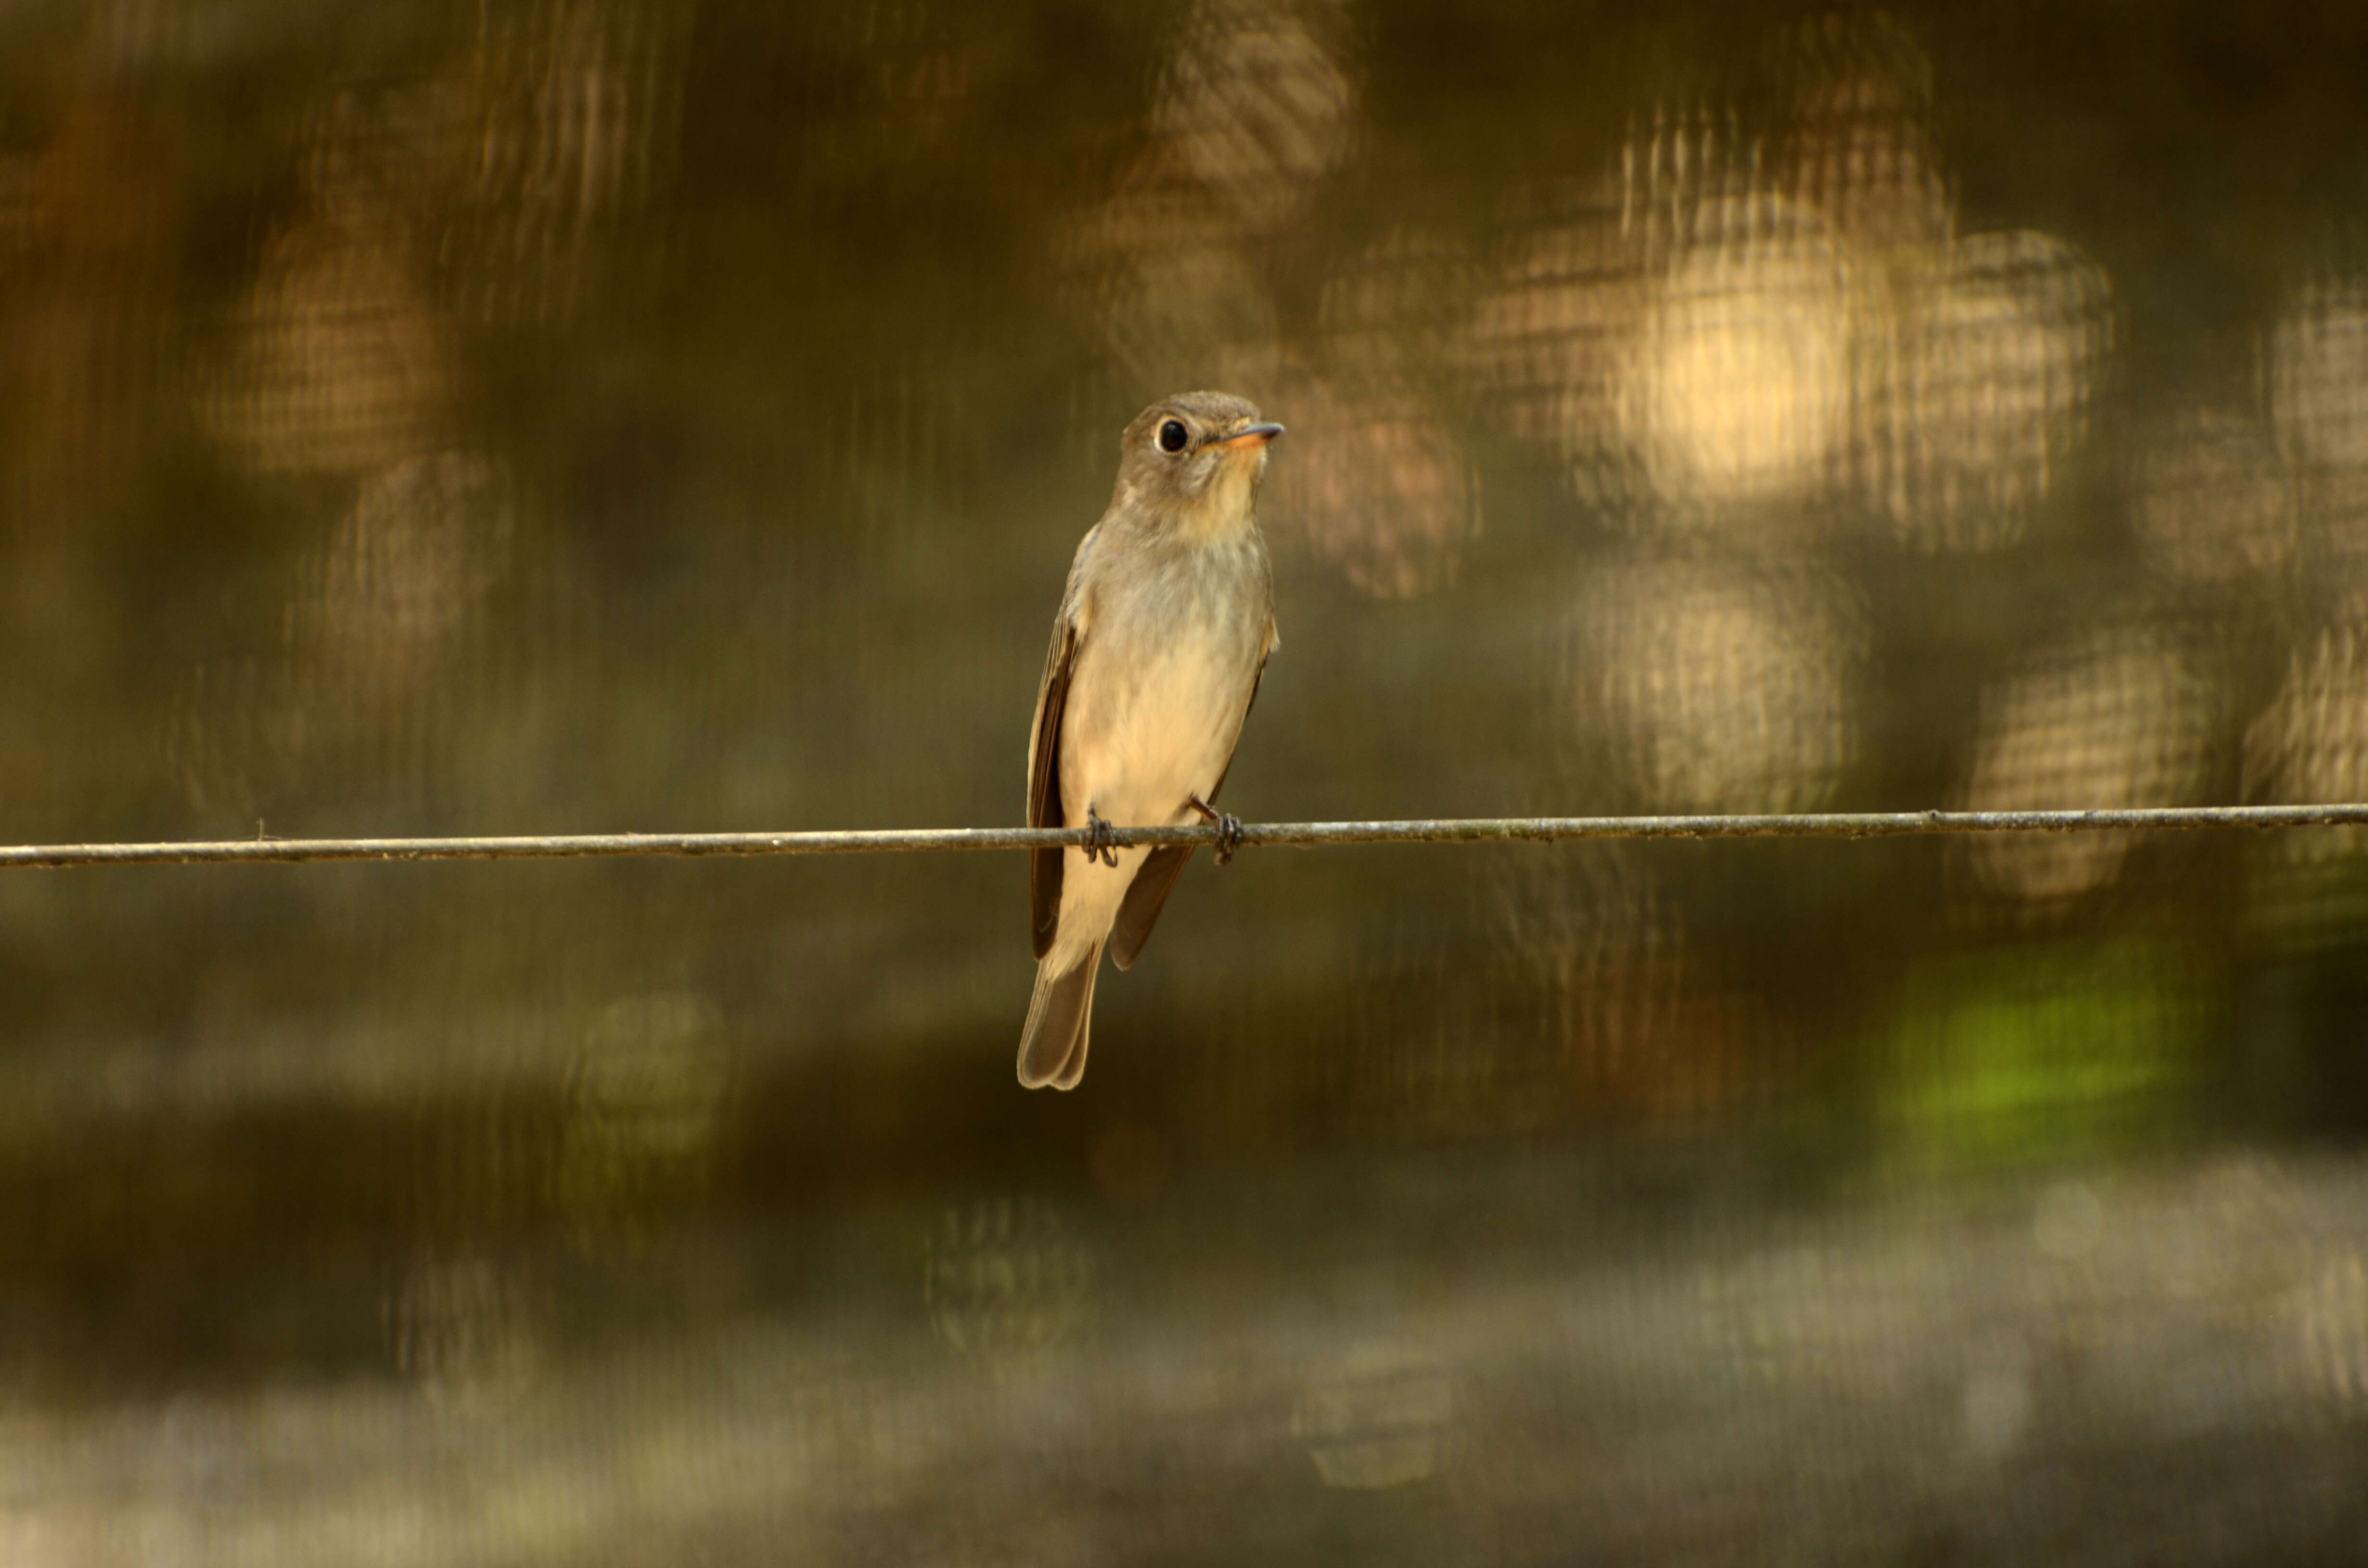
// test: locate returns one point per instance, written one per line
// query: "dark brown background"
(553, 417)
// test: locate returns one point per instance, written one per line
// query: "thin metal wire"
(1306, 834)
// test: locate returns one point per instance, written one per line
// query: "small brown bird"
(1163, 635)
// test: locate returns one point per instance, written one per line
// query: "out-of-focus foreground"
(590, 414)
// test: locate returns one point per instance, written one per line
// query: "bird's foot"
(1228, 826)
(1098, 840)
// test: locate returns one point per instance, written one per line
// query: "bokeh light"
(1709, 688)
(2123, 716)
(1978, 389)
(1736, 387)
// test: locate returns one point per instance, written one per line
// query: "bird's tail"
(1060, 1018)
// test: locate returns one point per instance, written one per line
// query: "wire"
(1477, 830)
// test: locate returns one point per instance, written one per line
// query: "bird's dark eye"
(1172, 436)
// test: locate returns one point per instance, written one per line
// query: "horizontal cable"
(1470, 830)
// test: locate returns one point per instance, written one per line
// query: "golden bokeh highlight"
(1706, 687)
(2311, 741)
(2121, 717)
(1976, 388)
(340, 362)
(1736, 386)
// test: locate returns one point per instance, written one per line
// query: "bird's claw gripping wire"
(1228, 826)
(1098, 840)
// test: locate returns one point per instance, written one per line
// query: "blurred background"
(602, 414)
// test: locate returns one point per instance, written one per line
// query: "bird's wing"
(1145, 897)
(1147, 894)
(1044, 808)
(1256, 680)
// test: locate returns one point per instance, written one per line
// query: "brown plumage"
(1156, 655)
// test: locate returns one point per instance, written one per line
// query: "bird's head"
(1192, 461)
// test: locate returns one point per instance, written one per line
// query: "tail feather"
(1059, 1022)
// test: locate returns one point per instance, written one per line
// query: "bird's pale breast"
(1161, 691)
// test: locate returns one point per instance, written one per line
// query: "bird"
(1161, 642)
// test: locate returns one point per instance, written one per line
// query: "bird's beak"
(1250, 436)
